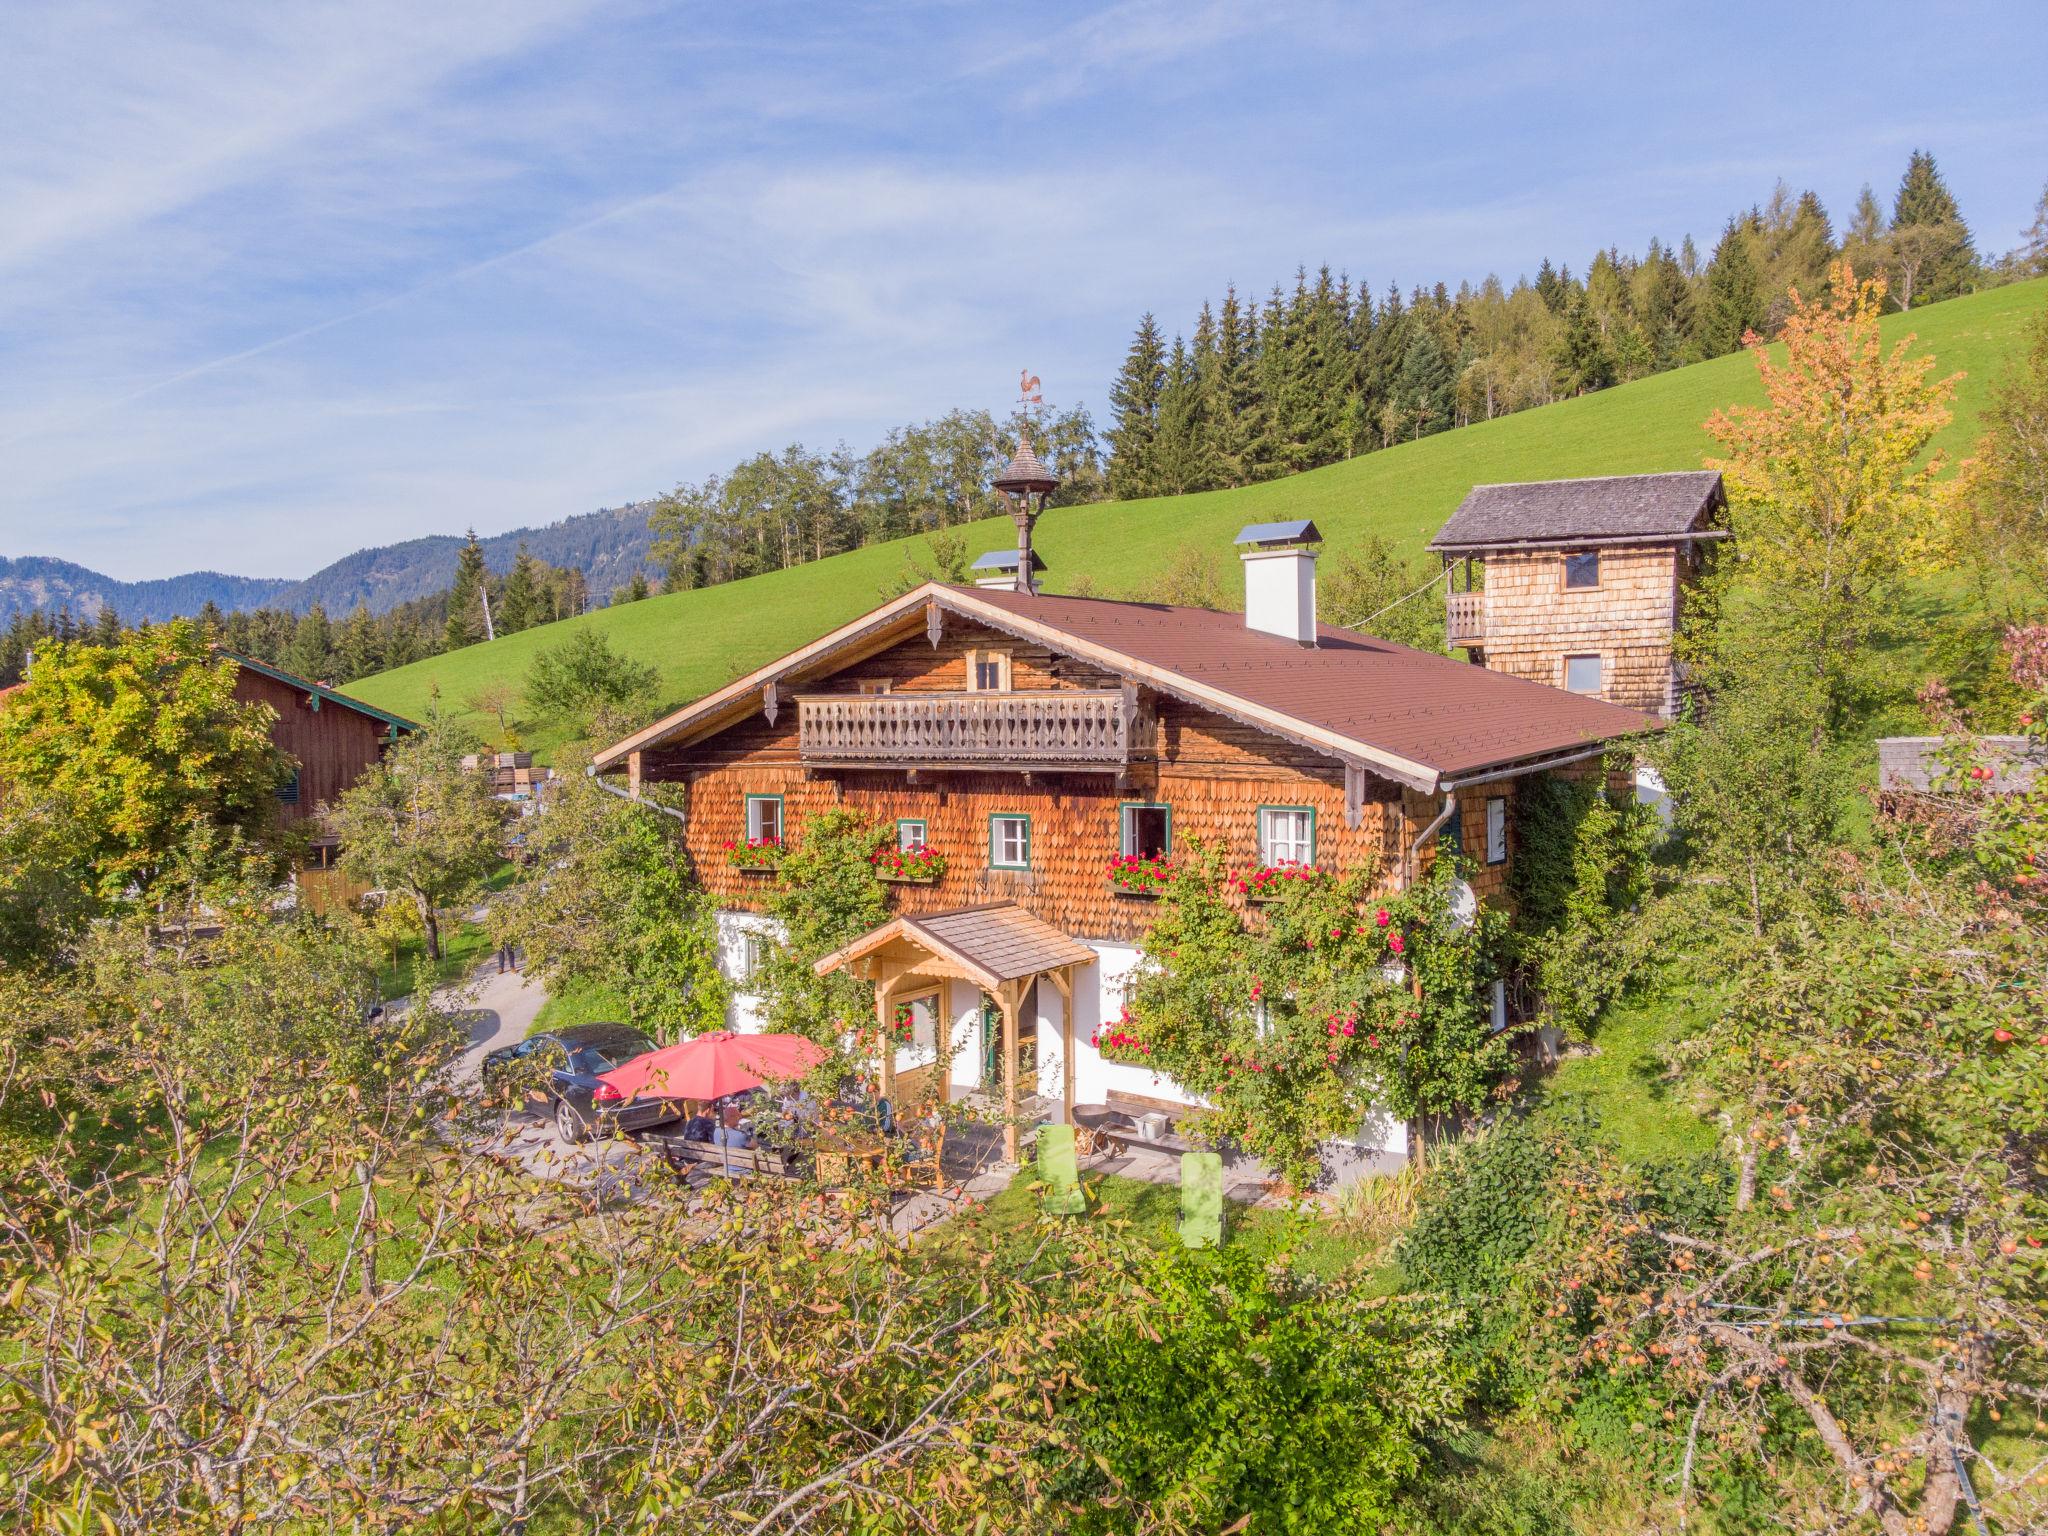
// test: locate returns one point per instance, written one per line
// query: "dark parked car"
(564, 1064)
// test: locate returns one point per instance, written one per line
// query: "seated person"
(734, 1132)
(799, 1108)
(698, 1127)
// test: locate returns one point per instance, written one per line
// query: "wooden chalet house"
(1585, 580)
(1032, 739)
(330, 738)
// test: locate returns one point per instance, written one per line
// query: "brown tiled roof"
(1440, 714)
(1025, 470)
(1413, 716)
(1552, 511)
(997, 942)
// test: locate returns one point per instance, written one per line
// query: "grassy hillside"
(700, 640)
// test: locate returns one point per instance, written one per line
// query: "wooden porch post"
(885, 994)
(1063, 980)
(1009, 999)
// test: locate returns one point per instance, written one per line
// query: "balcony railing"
(1063, 728)
(1465, 618)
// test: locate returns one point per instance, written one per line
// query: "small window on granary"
(1496, 829)
(1582, 674)
(1582, 570)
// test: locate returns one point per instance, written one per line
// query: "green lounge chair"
(1059, 1172)
(1201, 1199)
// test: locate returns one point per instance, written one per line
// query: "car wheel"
(568, 1124)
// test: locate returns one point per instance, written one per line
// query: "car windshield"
(594, 1059)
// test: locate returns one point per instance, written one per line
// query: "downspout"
(591, 773)
(1415, 848)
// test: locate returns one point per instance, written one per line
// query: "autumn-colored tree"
(1833, 495)
(143, 744)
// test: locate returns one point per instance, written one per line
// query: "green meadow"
(700, 640)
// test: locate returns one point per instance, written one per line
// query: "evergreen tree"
(1582, 360)
(1178, 448)
(1426, 383)
(1548, 287)
(1237, 341)
(358, 652)
(465, 625)
(106, 626)
(2031, 259)
(210, 620)
(311, 654)
(1932, 255)
(519, 604)
(1133, 441)
(1734, 303)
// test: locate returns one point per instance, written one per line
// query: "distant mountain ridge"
(608, 546)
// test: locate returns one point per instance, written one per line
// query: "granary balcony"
(1465, 618)
(1062, 729)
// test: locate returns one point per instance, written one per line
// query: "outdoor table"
(839, 1151)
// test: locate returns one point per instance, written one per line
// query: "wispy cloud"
(278, 281)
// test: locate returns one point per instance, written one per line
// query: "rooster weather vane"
(1028, 389)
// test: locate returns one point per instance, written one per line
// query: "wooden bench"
(682, 1155)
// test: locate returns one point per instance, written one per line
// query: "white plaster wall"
(743, 1013)
(1099, 995)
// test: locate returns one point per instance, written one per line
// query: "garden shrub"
(1242, 1392)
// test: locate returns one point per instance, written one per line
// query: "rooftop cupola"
(1026, 485)
(1280, 579)
(997, 570)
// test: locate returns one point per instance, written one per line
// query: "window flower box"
(1118, 1041)
(1133, 874)
(754, 855)
(1274, 880)
(909, 866)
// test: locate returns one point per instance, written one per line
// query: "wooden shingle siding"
(1532, 622)
(1212, 771)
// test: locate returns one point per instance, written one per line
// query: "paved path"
(499, 1010)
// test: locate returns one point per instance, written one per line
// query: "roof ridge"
(1645, 474)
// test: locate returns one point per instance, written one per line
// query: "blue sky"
(279, 281)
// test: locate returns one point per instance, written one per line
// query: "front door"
(991, 1044)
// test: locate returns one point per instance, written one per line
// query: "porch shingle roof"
(999, 942)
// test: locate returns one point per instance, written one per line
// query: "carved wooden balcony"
(1465, 618)
(1066, 729)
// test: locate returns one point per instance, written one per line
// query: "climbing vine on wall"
(825, 896)
(1581, 867)
(1297, 1018)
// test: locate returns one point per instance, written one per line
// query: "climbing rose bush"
(1299, 1019)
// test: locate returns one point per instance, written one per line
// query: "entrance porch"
(998, 947)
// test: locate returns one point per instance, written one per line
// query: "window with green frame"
(1144, 829)
(909, 833)
(1009, 841)
(1287, 834)
(764, 818)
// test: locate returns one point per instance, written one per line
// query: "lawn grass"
(698, 641)
(579, 1002)
(1620, 1090)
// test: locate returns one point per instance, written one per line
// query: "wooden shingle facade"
(331, 738)
(1585, 581)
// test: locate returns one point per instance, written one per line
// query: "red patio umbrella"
(714, 1065)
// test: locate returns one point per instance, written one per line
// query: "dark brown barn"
(332, 737)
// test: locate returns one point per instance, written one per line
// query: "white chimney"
(1280, 579)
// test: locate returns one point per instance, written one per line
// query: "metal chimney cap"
(1004, 560)
(1272, 535)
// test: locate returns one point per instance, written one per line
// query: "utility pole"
(484, 588)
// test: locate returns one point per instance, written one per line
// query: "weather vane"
(1028, 391)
